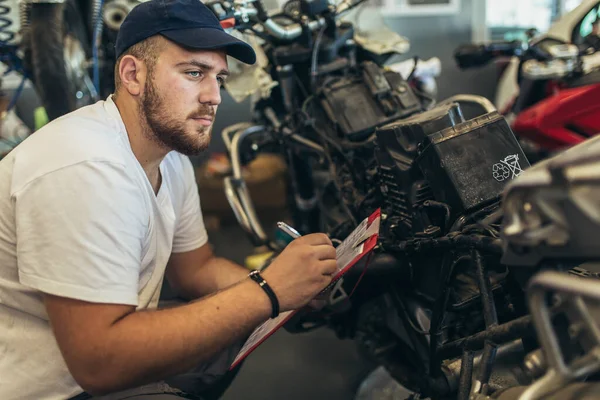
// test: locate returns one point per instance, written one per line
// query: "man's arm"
(197, 273)
(110, 347)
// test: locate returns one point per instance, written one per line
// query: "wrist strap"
(256, 277)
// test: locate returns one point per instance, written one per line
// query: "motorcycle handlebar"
(475, 55)
(243, 13)
(289, 32)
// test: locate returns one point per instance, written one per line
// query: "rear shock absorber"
(24, 13)
(6, 35)
(97, 27)
(8, 49)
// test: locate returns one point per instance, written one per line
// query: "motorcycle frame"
(236, 190)
(559, 372)
(43, 1)
(494, 334)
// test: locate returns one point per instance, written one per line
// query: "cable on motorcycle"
(95, 43)
(315, 58)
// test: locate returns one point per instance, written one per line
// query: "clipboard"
(357, 245)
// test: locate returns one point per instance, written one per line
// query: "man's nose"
(211, 93)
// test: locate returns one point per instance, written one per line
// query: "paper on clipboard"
(358, 244)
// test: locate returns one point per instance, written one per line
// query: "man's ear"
(132, 72)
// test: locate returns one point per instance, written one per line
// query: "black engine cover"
(437, 155)
(372, 97)
(468, 165)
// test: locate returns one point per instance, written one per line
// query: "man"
(99, 205)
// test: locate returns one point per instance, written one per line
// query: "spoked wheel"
(60, 47)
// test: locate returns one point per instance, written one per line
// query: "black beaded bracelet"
(256, 277)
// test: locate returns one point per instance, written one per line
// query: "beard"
(169, 132)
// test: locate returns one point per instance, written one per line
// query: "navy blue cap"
(188, 23)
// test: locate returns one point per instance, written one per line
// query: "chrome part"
(236, 205)
(560, 373)
(46, 1)
(228, 132)
(114, 12)
(75, 67)
(431, 68)
(306, 204)
(535, 363)
(551, 211)
(24, 14)
(245, 13)
(236, 141)
(472, 99)
(236, 190)
(560, 67)
(536, 70)
(292, 31)
(307, 142)
(96, 10)
(564, 50)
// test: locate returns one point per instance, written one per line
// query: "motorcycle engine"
(435, 168)
(438, 175)
(433, 174)
(358, 104)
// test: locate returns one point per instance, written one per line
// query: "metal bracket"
(560, 373)
(472, 99)
(236, 190)
(337, 293)
(44, 1)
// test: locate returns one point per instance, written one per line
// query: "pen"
(288, 229)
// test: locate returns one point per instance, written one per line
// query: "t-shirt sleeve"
(190, 232)
(80, 232)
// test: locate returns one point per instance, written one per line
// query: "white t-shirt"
(79, 219)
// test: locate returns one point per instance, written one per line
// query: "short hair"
(147, 50)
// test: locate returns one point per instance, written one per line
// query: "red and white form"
(358, 244)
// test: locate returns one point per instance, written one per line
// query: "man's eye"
(221, 80)
(194, 74)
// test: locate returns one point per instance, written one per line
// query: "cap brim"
(209, 39)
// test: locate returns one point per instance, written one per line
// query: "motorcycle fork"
(305, 212)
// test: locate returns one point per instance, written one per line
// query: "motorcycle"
(356, 137)
(548, 89)
(550, 217)
(66, 48)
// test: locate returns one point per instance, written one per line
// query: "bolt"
(574, 330)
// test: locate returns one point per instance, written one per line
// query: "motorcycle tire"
(50, 23)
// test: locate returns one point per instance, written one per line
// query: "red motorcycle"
(557, 105)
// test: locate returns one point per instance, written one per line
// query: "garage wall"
(439, 36)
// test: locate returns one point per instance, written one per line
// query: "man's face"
(181, 96)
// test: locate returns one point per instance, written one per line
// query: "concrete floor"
(303, 366)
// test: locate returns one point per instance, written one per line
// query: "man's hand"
(302, 270)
